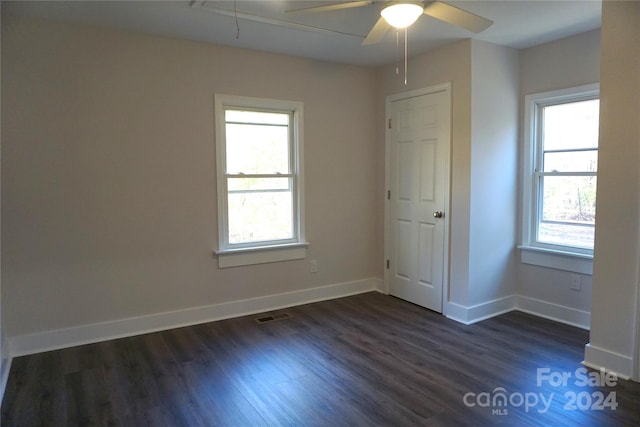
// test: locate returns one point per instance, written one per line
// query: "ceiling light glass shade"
(401, 15)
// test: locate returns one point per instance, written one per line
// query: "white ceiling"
(517, 23)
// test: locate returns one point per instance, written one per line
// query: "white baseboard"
(599, 358)
(551, 311)
(86, 334)
(478, 312)
(547, 310)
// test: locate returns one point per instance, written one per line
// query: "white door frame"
(443, 87)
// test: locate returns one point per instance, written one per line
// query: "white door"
(419, 139)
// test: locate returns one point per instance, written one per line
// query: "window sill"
(559, 260)
(261, 254)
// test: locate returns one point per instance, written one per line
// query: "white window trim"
(260, 252)
(551, 256)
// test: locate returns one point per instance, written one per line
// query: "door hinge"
(389, 123)
(387, 264)
(388, 194)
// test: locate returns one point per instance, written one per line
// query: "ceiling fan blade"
(330, 7)
(459, 17)
(377, 32)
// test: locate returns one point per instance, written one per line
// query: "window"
(259, 172)
(561, 164)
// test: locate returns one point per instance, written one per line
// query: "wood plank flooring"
(366, 360)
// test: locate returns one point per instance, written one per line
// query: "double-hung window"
(560, 171)
(260, 180)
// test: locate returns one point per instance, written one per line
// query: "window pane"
(257, 141)
(263, 216)
(257, 149)
(572, 125)
(569, 199)
(254, 184)
(566, 235)
(568, 211)
(571, 161)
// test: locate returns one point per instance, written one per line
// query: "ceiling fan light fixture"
(401, 15)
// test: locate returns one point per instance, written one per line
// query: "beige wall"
(568, 62)
(494, 172)
(109, 205)
(617, 250)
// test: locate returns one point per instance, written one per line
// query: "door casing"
(446, 87)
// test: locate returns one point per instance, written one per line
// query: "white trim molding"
(556, 312)
(600, 358)
(532, 151)
(96, 332)
(547, 310)
(559, 260)
(478, 312)
(261, 255)
(233, 254)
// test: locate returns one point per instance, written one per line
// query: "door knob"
(438, 214)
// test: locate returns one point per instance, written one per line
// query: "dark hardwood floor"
(366, 360)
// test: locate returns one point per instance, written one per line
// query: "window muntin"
(259, 172)
(563, 143)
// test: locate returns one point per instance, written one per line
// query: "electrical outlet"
(576, 283)
(313, 266)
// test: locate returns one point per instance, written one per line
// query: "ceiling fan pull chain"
(397, 52)
(235, 12)
(406, 30)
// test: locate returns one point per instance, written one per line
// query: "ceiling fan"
(402, 14)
